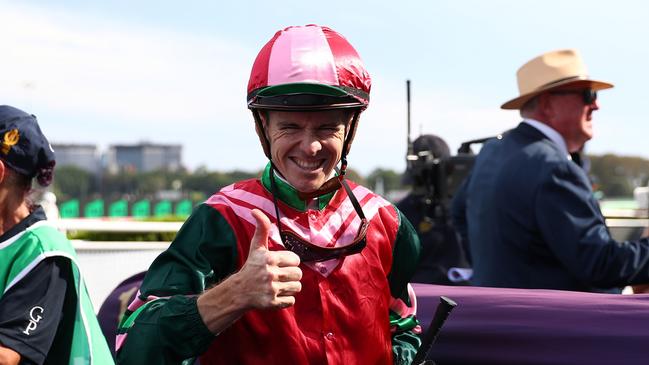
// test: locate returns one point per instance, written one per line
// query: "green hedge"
(129, 236)
(122, 236)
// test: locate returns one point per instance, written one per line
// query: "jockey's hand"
(268, 279)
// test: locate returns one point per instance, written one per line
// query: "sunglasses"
(588, 95)
(307, 251)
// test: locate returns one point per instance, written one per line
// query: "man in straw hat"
(527, 209)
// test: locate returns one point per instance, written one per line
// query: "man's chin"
(308, 189)
(308, 186)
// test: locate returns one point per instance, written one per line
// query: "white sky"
(176, 72)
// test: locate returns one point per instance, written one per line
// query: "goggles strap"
(273, 187)
(346, 144)
(352, 198)
(330, 185)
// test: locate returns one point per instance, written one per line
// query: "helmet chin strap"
(334, 183)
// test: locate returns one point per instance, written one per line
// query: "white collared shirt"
(549, 132)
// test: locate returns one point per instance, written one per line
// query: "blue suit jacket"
(531, 221)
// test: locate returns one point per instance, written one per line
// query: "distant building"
(83, 156)
(145, 157)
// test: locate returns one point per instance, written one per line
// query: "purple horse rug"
(533, 326)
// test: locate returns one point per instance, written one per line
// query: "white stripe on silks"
(17, 236)
(267, 206)
(326, 233)
(321, 237)
(370, 209)
(259, 201)
(344, 211)
(245, 214)
(263, 204)
(227, 188)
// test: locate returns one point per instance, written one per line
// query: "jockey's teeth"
(308, 165)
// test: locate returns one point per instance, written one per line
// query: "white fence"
(115, 225)
(106, 264)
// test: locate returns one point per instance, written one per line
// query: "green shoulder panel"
(405, 258)
(404, 263)
(203, 253)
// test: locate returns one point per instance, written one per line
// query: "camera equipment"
(436, 178)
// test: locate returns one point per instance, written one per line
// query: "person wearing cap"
(45, 312)
(300, 266)
(443, 259)
(527, 209)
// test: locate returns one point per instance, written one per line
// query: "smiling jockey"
(299, 266)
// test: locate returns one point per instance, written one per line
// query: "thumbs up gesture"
(269, 279)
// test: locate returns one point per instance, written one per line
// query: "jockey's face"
(306, 146)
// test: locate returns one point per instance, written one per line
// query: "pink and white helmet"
(308, 68)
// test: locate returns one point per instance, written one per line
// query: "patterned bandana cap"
(23, 147)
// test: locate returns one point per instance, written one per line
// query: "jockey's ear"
(263, 116)
(261, 128)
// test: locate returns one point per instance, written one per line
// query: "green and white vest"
(22, 252)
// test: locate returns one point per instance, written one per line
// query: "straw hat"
(557, 69)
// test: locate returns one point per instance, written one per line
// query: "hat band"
(561, 81)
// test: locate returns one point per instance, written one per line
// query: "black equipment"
(444, 308)
(437, 178)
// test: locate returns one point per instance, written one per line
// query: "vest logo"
(35, 317)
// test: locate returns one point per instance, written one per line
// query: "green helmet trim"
(307, 96)
(302, 88)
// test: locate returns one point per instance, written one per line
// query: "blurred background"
(144, 101)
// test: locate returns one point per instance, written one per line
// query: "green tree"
(356, 177)
(149, 183)
(208, 183)
(617, 176)
(71, 182)
(122, 183)
(391, 179)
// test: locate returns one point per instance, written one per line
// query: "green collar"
(288, 194)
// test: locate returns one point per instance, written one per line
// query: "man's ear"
(261, 125)
(261, 118)
(545, 107)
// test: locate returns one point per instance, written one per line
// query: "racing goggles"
(309, 252)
